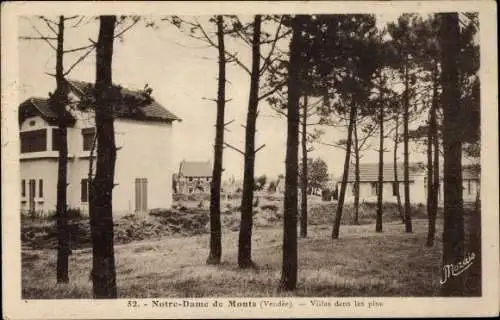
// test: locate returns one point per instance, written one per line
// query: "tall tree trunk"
(453, 233)
(245, 236)
(437, 183)
(101, 220)
(380, 189)
(432, 163)
(474, 284)
(395, 162)
(303, 208)
(289, 270)
(356, 173)
(60, 100)
(429, 185)
(406, 115)
(215, 253)
(340, 203)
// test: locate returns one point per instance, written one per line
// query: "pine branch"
(267, 59)
(272, 91)
(48, 22)
(207, 39)
(234, 148)
(78, 61)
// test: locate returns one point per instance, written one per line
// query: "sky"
(183, 75)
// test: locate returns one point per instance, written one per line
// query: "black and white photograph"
(242, 162)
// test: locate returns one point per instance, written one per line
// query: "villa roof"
(195, 169)
(368, 172)
(151, 111)
(132, 109)
(40, 106)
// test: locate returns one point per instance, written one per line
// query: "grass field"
(360, 263)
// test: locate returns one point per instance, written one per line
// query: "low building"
(194, 177)
(368, 183)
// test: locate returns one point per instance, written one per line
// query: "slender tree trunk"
(245, 236)
(435, 134)
(380, 189)
(432, 164)
(356, 173)
(430, 186)
(101, 220)
(60, 99)
(453, 233)
(303, 215)
(340, 203)
(395, 161)
(406, 115)
(215, 253)
(288, 280)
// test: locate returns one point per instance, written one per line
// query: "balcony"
(42, 155)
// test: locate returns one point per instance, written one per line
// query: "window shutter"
(144, 194)
(84, 190)
(23, 188)
(40, 188)
(137, 195)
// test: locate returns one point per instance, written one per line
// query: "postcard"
(249, 159)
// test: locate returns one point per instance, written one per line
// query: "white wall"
(45, 169)
(417, 192)
(146, 152)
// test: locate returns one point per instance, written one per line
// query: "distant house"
(368, 182)
(194, 177)
(368, 185)
(142, 172)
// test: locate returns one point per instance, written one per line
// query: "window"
(190, 178)
(88, 138)
(374, 188)
(84, 194)
(40, 188)
(208, 179)
(34, 141)
(141, 194)
(56, 139)
(23, 188)
(468, 187)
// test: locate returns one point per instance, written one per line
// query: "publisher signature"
(453, 270)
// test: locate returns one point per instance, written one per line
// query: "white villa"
(143, 171)
(368, 187)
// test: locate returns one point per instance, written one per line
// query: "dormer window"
(34, 141)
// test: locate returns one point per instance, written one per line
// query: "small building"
(143, 169)
(194, 177)
(368, 182)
